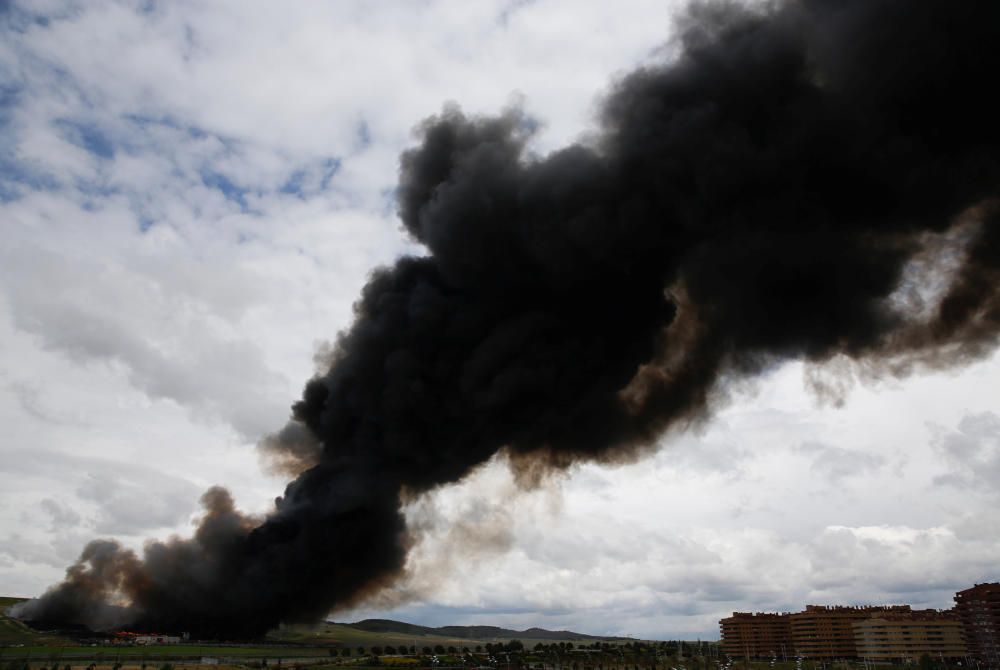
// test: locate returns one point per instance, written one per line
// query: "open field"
(163, 651)
(11, 663)
(13, 632)
(307, 640)
(304, 646)
(344, 635)
(529, 661)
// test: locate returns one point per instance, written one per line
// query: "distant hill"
(471, 632)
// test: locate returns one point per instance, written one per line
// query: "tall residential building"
(906, 636)
(757, 635)
(979, 610)
(828, 633)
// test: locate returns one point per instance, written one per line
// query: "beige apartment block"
(906, 636)
(827, 632)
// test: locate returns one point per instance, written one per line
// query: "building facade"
(979, 611)
(906, 636)
(827, 632)
(757, 635)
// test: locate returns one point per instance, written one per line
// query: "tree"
(389, 649)
(427, 651)
(346, 651)
(514, 645)
(361, 651)
(479, 648)
(438, 649)
(452, 650)
(377, 651)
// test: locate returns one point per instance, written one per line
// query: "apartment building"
(827, 632)
(906, 636)
(757, 635)
(978, 609)
(878, 633)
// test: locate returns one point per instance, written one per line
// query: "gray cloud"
(62, 516)
(137, 505)
(169, 346)
(836, 463)
(127, 498)
(22, 550)
(971, 451)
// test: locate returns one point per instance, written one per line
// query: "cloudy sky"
(191, 197)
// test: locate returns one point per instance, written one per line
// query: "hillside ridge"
(470, 632)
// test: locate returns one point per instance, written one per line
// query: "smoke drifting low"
(762, 197)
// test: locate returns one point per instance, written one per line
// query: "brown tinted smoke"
(755, 200)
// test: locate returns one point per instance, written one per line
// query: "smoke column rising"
(762, 197)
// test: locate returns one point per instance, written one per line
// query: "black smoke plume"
(761, 197)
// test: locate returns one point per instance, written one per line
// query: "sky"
(192, 196)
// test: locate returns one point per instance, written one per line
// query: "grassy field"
(165, 651)
(310, 640)
(303, 645)
(39, 663)
(13, 632)
(341, 635)
(18, 640)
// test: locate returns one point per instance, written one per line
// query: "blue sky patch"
(8, 95)
(305, 180)
(222, 183)
(87, 136)
(364, 135)
(331, 166)
(293, 186)
(389, 196)
(15, 177)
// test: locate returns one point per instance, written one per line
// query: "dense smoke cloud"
(764, 196)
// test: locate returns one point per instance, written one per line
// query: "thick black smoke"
(760, 198)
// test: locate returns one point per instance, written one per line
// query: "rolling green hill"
(382, 632)
(472, 632)
(13, 632)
